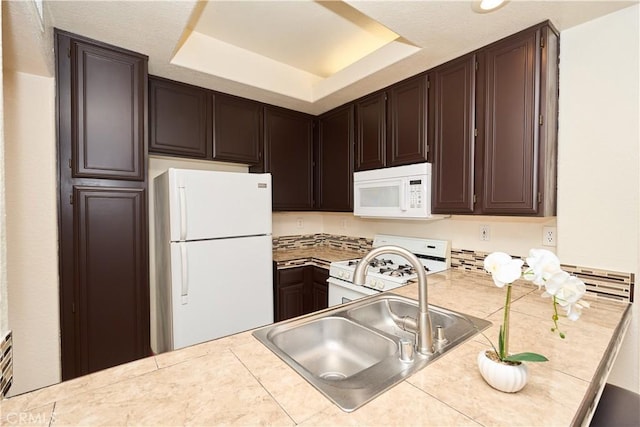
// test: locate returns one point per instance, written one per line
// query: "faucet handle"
(406, 350)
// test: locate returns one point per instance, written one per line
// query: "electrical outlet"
(485, 234)
(548, 236)
(300, 223)
(343, 224)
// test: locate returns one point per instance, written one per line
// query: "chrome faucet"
(424, 341)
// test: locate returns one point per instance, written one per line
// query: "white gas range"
(387, 271)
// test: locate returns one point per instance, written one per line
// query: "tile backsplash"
(600, 283)
(357, 244)
(6, 364)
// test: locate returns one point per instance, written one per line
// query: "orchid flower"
(543, 269)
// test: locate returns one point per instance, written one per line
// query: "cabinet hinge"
(475, 132)
(475, 199)
(428, 84)
(68, 52)
(70, 164)
(73, 307)
(541, 120)
(539, 197)
(541, 41)
(71, 198)
(476, 65)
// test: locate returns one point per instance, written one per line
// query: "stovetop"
(391, 271)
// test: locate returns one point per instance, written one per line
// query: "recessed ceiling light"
(484, 6)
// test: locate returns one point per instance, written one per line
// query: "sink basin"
(333, 348)
(351, 353)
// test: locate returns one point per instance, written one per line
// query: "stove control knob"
(340, 274)
(380, 285)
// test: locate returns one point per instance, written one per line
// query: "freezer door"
(220, 287)
(210, 205)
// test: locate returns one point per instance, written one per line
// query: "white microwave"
(402, 192)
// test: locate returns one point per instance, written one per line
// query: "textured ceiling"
(441, 30)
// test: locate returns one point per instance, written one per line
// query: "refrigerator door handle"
(184, 293)
(182, 192)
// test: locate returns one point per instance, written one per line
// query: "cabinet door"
(511, 126)
(334, 162)
(112, 300)
(290, 293)
(289, 146)
(319, 289)
(108, 112)
(237, 129)
(452, 123)
(371, 132)
(408, 122)
(178, 119)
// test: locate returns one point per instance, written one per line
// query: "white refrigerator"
(214, 274)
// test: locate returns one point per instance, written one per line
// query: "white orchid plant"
(543, 269)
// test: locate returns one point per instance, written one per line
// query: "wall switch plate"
(548, 236)
(485, 234)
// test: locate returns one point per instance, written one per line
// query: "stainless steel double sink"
(352, 354)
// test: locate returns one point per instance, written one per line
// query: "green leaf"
(526, 357)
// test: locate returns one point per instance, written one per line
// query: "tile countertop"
(236, 380)
(323, 254)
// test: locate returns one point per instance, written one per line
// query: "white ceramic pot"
(503, 377)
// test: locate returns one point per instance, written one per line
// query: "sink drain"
(333, 376)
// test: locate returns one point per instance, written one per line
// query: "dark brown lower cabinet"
(300, 290)
(111, 261)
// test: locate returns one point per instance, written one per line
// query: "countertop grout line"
(263, 387)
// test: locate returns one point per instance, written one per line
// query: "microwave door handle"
(403, 196)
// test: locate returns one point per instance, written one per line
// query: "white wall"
(598, 156)
(32, 239)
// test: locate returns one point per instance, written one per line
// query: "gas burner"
(397, 271)
(375, 263)
(380, 262)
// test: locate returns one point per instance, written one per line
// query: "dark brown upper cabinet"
(520, 123)
(194, 122)
(288, 145)
(494, 126)
(178, 117)
(371, 132)
(334, 160)
(108, 112)
(407, 141)
(237, 129)
(452, 123)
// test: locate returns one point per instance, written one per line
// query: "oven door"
(341, 292)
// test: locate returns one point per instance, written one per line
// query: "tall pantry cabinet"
(102, 133)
